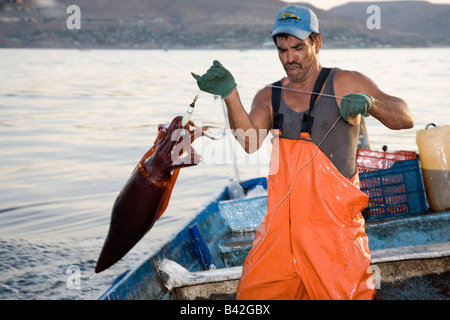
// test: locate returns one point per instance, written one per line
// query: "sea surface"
(74, 123)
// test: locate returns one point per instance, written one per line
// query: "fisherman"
(312, 243)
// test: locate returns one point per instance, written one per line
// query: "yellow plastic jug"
(434, 154)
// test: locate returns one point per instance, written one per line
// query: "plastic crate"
(368, 160)
(394, 192)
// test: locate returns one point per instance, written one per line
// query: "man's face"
(297, 56)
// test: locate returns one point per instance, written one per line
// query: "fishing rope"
(303, 91)
(236, 171)
(235, 168)
(287, 194)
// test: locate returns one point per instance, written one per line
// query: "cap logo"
(289, 16)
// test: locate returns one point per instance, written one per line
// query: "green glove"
(355, 103)
(217, 80)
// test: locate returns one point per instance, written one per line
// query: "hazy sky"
(327, 4)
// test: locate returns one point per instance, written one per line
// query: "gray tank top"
(341, 144)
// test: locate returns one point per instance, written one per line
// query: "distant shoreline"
(212, 48)
(219, 25)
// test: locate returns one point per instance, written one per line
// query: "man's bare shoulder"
(348, 76)
(263, 98)
(348, 81)
(265, 92)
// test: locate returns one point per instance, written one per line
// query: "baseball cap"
(296, 21)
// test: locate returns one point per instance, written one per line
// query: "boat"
(409, 243)
(410, 254)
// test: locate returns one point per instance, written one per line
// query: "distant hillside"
(171, 24)
(411, 18)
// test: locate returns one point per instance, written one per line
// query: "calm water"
(73, 125)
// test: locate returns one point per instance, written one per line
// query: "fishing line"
(298, 171)
(287, 194)
(306, 91)
(235, 168)
(303, 91)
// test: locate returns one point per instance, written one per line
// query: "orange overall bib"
(312, 243)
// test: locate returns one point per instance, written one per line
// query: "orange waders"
(312, 244)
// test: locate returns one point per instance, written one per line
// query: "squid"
(146, 194)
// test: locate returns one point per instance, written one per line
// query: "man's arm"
(393, 112)
(250, 129)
